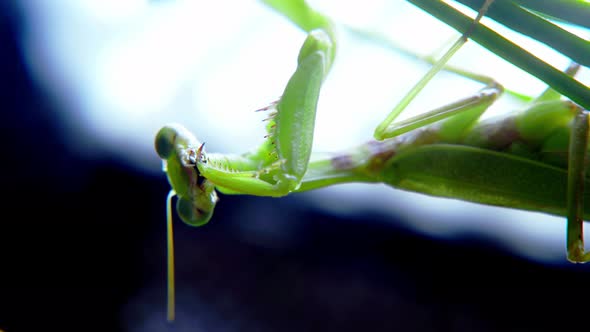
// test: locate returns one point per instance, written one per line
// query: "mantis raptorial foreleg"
(290, 133)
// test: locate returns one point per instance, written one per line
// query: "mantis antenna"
(170, 312)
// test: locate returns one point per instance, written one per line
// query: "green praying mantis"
(534, 159)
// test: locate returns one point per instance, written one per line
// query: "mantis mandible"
(534, 159)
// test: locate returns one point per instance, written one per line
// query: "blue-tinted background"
(82, 232)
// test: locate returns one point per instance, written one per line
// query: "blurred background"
(85, 87)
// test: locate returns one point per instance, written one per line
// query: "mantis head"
(182, 153)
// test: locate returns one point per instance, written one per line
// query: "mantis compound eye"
(197, 212)
(165, 140)
(171, 137)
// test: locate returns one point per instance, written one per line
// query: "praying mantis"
(534, 159)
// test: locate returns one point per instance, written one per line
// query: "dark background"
(82, 249)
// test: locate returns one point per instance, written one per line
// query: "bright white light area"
(122, 69)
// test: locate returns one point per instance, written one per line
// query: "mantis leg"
(383, 130)
(575, 188)
(278, 166)
(577, 158)
(474, 105)
(356, 165)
